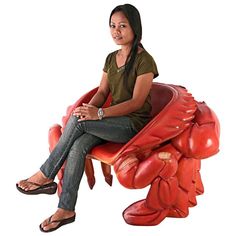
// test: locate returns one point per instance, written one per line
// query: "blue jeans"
(76, 141)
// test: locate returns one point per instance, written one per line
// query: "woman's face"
(121, 30)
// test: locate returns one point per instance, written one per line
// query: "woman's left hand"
(86, 112)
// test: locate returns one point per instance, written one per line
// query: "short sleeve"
(146, 64)
(107, 63)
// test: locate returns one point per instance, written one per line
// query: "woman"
(127, 75)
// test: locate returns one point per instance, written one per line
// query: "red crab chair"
(166, 154)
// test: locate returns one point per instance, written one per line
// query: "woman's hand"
(86, 112)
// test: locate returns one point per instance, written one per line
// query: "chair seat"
(106, 153)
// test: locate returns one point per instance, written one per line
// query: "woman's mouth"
(117, 37)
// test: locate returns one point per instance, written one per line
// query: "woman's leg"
(59, 154)
(116, 130)
(74, 169)
(56, 159)
(73, 173)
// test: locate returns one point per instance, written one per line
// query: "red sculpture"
(166, 154)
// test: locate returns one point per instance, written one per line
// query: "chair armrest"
(53, 136)
(172, 120)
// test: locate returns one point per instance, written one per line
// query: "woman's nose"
(116, 30)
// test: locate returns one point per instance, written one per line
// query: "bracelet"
(100, 113)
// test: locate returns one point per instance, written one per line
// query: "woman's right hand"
(86, 112)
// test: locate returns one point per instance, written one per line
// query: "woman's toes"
(26, 185)
(50, 226)
(44, 223)
(22, 184)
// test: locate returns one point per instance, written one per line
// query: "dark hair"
(133, 16)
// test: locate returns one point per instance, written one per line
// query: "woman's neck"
(124, 51)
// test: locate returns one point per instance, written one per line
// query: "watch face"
(100, 113)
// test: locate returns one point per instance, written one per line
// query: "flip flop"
(61, 223)
(50, 188)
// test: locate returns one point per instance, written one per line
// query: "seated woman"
(127, 75)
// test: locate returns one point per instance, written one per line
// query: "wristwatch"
(100, 113)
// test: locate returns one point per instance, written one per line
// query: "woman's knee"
(72, 120)
(85, 143)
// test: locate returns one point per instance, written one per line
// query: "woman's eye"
(122, 26)
(112, 26)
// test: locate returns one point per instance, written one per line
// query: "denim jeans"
(76, 141)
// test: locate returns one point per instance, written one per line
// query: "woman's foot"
(58, 219)
(32, 183)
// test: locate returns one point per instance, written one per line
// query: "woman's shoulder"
(145, 63)
(110, 56)
(112, 53)
(109, 60)
(144, 55)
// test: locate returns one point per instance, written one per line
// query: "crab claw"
(139, 214)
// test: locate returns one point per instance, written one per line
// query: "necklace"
(119, 54)
(121, 68)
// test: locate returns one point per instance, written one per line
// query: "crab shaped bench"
(165, 155)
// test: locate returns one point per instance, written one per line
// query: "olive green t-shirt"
(144, 63)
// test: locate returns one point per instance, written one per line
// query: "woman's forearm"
(121, 109)
(98, 100)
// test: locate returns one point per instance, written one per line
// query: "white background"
(52, 52)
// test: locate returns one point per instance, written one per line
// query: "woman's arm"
(101, 95)
(89, 111)
(141, 90)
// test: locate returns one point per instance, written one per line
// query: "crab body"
(165, 155)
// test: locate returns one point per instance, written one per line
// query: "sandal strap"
(60, 223)
(50, 221)
(38, 185)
